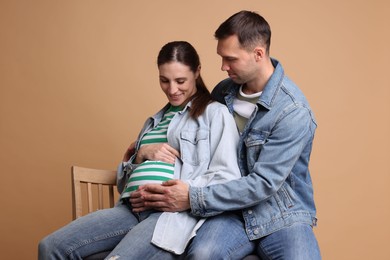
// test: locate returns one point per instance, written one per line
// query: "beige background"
(78, 78)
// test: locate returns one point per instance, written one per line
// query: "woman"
(196, 140)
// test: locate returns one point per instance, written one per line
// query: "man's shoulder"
(225, 84)
(290, 89)
(222, 89)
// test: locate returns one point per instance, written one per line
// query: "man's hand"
(171, 196)
(157, 152)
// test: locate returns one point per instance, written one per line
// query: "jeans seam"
(265, 253)
(96, 239)
(234, 249)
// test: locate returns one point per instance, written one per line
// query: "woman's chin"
(176, 103)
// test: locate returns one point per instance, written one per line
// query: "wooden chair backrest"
(91, 177)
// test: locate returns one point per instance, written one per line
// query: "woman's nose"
(172, 88)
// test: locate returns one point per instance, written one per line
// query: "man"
(271, 209)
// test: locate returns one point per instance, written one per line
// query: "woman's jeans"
(117, 229)
(224, 237)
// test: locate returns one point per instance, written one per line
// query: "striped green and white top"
(153, 171)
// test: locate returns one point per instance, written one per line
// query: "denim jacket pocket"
(256, 138)
(194, 146)
(254, 142)
(284, 198)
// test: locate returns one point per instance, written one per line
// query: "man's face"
(239, 63)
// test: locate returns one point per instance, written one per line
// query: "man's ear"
(259, 53)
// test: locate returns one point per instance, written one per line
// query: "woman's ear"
(197, 73)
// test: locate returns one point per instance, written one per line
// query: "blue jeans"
(224, 237)
(128, 235)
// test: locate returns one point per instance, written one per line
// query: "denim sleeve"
(292, 132)
(123, 172)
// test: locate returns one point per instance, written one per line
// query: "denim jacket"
(274, 151)
(208, 155)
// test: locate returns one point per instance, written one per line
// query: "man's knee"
(205, 251)
(294, 242)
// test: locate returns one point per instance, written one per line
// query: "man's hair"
(251, 29)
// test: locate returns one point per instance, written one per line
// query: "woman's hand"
(157, 152)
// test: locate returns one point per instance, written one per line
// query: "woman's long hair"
(185, 53)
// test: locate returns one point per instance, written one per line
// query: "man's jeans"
(224, 237)
(105, 230)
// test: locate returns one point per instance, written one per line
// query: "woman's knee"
(48, 248)
(221, 237)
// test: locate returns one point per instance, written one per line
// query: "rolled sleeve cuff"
(196, 201)
(130, 165)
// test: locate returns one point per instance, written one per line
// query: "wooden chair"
(95, 198)
(100, 178)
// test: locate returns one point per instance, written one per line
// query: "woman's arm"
(157, 152)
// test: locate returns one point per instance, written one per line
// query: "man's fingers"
(137, 210)
(135, 194)
(170, 183)
(148, 189)
(136, 201)
(153, 198)
(156, 205)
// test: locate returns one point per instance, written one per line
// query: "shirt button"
(250, 211)
(256, 232)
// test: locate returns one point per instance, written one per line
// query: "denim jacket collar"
(270, 90)
(273, 85)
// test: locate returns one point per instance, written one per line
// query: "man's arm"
(278, 156)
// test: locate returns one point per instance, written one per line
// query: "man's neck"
(257, 84)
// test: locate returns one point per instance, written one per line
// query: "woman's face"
(178, 82)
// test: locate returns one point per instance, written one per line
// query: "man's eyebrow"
(229, 57)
